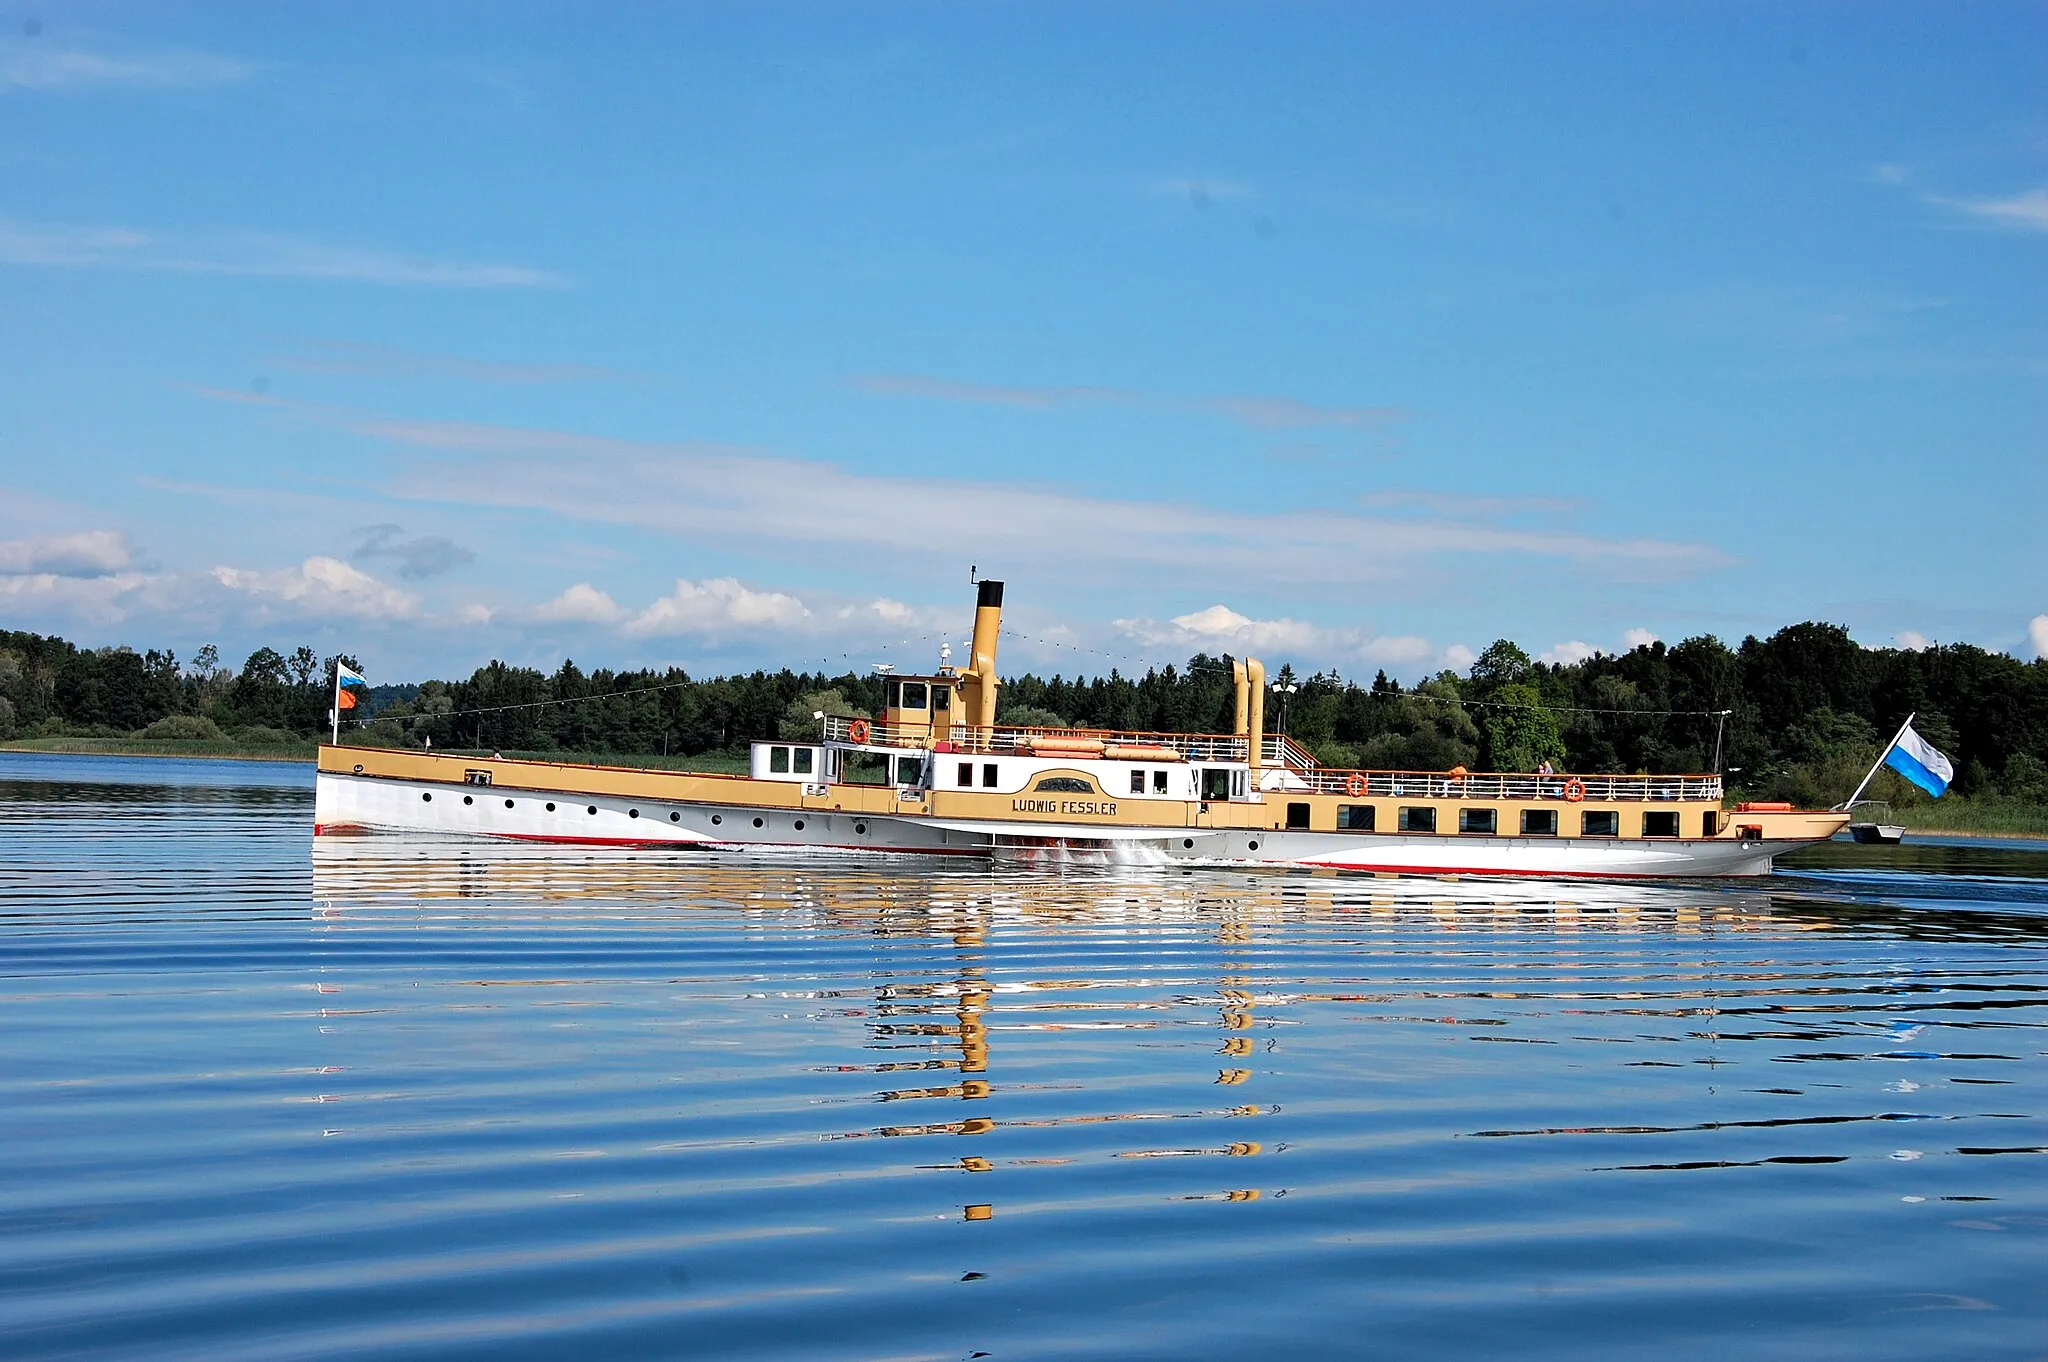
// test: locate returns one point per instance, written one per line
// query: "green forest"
(1797, 716)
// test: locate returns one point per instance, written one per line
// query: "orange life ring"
(857, 731)
(1574, 790)
(1354, 786)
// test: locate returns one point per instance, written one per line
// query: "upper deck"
(1287, 766)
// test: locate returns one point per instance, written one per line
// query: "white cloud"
(56, 69)
(2037, 634)
(93, 553)
(253, 254)
(1638, 638)
(1565, 654)
(321, 586)
(1913, 641)
(1220, 627)
(476, 614)
(1401, 651)
(108, 598)
(715, 604)
(580, 604)
(1459, 658)
(2027, 210)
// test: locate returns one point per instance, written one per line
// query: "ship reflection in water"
(470, 1100)
(1041, 1027)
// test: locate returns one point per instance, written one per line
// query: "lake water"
(265, 1099)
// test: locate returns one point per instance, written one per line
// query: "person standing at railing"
(1544, 770)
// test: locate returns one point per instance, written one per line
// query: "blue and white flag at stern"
(1920, 761)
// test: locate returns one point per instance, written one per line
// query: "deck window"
(1539, 822)
(988, 775)
(1297, 816)
(966, 779)
(1355, 817)
(1159, 782)
(1216, 782)
(778, 760)
(801, 760)
(1710, 823)
(1064, 785)
(1479, 820)
(1137, 782)
(1663, 823)
(910, 770)
(1600, 823)
(1420, 818)
(892, 694)
(942, 698)
(914, 695)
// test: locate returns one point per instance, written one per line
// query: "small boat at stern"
(935, 774)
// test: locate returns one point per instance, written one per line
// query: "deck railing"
(1439, 785)
(1013, 738)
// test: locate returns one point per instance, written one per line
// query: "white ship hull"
(365, 804)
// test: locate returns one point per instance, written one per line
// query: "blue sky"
(1352, 335)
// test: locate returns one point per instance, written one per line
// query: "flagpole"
(334, 715)
(1851, 800)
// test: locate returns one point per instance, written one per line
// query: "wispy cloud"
(1465, 507)
(366, 359)
(2037, 635)
(1221, 629)
(71, 70)
(742, 496)
(248, 254)
(1264, 412)
(2027, 211)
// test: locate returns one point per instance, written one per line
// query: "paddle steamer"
(936, 774)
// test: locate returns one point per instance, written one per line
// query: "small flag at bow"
(1920, 761)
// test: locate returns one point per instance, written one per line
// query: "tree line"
(1798, 715)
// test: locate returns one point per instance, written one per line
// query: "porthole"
(861, 828)
(675, 818)
(591, 809)
(551, 806)
(799, 825)
(467, 800)
(1253, 845)
(426, 796)
(1187, 844)
(757, 822)
(508, 803)
(632, 813)
(359, 768)
(716, 819)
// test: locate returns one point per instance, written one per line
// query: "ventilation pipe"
(1255, 682)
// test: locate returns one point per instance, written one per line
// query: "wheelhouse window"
(942, 697)
(892, 694)
(1297, 815)
(966, 775)
(1539, 822)
(915, 695)
(778, 760)
(1137, 782)
(1663, 823)
(802, 760)
(1355, 817)
(1064, 785)
(1420, 818)
(1600, 823)
(1479, 820)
